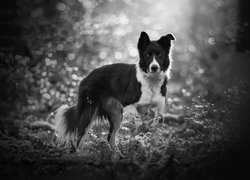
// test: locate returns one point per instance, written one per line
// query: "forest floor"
(212, 145)
(208, 139)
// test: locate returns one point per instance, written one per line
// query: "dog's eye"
(159, 54)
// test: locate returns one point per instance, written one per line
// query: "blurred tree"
(244, 32)
(11, 39)
(67, 39)
(11, 43)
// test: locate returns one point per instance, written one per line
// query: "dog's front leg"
(159, 107)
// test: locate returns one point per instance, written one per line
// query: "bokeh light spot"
(191, 48)
(61, 6)
(132, 51)
(118, 55)
(103, 55)
(211, 40)
(123, 19)
(71, 56)
(59, 47)
(74, 76)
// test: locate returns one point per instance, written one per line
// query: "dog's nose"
(154, 68)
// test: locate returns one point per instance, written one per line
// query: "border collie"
(106, 90)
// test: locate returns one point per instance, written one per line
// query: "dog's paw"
(176, 122)
(173, 118)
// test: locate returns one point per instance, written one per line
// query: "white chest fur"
(151, 90)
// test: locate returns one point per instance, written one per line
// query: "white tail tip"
(60, 125)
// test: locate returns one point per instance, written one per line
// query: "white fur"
(154, 62)
(168, 72)
(151, 89)
(60, 127)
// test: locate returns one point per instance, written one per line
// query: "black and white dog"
(106, 90)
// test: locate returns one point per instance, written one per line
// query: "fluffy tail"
(70, 126)
(63, 115)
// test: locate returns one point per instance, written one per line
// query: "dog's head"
(154, 55)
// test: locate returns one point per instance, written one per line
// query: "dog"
(106, 90)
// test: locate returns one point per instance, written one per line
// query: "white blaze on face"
(154, 63)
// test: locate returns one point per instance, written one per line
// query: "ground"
(48, 47)
(201, 145)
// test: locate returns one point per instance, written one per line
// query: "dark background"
(48, 47)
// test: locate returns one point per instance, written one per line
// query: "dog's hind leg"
(85, 120)
(114, 112)
(115, 123)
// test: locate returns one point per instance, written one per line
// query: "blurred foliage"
(69, 38)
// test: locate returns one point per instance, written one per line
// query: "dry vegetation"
(208, 95)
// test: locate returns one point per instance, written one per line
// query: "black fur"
(117, 81)
(158, 49)
(164, 87)
(106, 90)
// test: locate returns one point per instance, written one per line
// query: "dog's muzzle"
(154, 68)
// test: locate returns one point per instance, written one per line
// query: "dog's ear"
(143, 41)
(164, 41)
